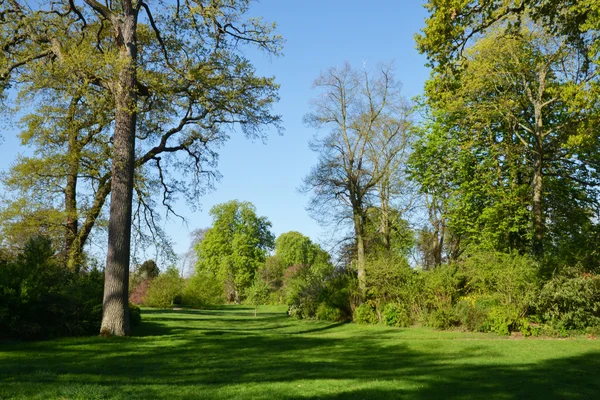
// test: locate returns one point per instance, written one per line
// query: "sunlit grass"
(227, 353)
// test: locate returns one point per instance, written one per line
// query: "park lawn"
(227, 353)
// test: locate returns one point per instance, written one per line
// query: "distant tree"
(293, 248)
(361, 151)
(235, 246)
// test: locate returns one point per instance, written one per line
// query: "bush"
(395, 314)
(571, 301)
(442, 318)
(40, 298)
(364, 314)
(165, 289)
(325, 312)
(135, 315)
(472, 312)
(302, 288)
(203, 289)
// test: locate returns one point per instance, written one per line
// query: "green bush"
(303, 288)
(135, 315)
(364, 314)
(395, 314)
(203, 289)
(442, 318)
(571, 301)
(164, 289)
(502, 320)
(325, 312)
(40, 298)
(472, 312)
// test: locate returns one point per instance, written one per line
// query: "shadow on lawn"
(162, 359)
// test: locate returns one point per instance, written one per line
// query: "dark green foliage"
(135, 315)
(571, 300)
(364, 314)
(40, 298)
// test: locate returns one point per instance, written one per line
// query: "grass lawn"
(227, 353)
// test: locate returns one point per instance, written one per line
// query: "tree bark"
(538, 212)
(71, 198)
(115, 318)
(360, 255)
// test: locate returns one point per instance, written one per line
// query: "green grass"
(226, 353)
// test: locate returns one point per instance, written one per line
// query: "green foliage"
(258, 293)
(326, 312)
(293, 248)
(235, 246)
(365, 314)
(571, 300)
(40, 298)
(165, 290)
(395, 314)
(135, 315)
(202, 289)
(513, 278)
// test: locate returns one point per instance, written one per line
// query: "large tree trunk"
(115, 318)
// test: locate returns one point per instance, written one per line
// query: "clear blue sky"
(319, 35)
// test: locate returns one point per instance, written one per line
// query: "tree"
(293, 248)
(454, 24)
(518, 139)
(366, 121)
(235, 246)
(175, 79)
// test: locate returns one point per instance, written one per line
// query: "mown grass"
(227, 353)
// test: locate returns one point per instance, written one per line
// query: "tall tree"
(235, 246)
(181, 63)
(363, 114)
(519, 134)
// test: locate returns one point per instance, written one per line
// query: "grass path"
(229, 354)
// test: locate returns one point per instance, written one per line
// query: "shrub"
(203, 289)
(571, 300)
(325, 312)
(135, 315)
(472, 311)
(364, 314)
(302, 288)
(511, 278)
(442, 318)
(164, 290)
(40, 298)
(395, 314)
(138, 294)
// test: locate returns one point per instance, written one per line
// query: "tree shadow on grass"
(166, 361)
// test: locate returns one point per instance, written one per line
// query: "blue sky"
(318, 35)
